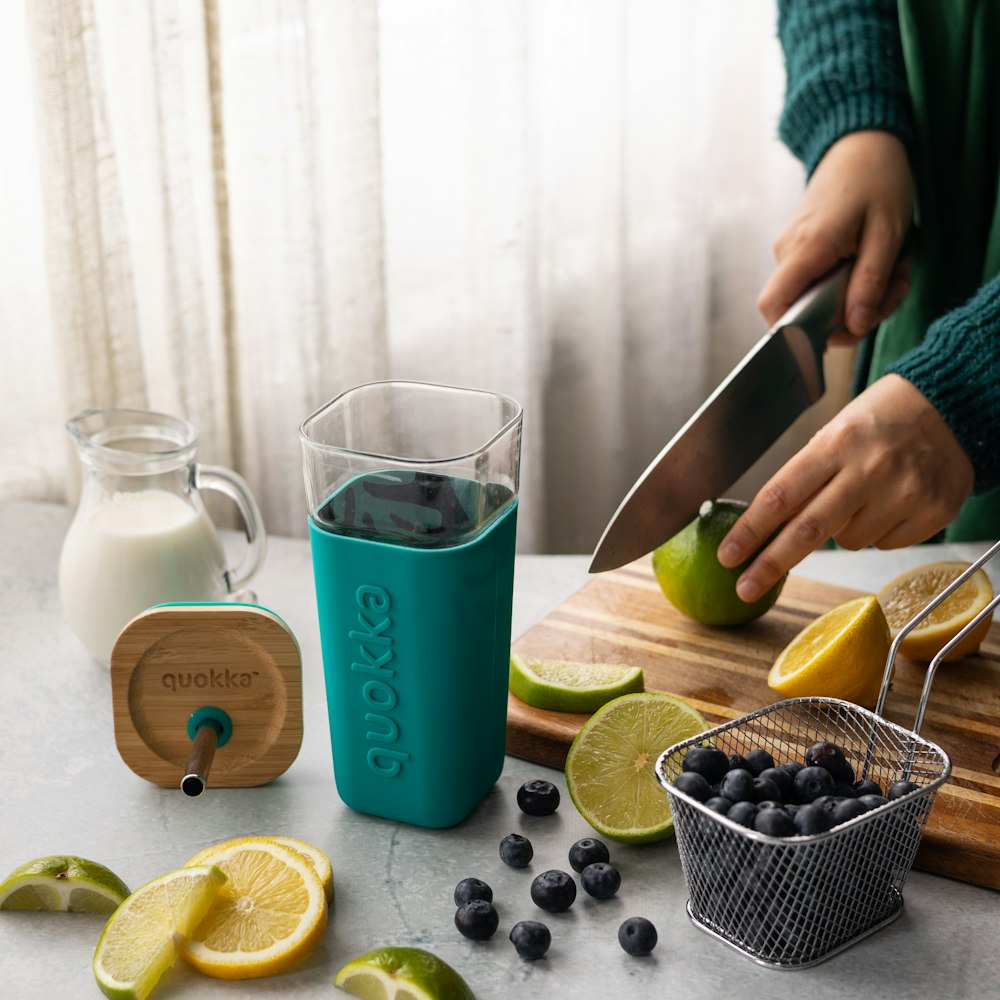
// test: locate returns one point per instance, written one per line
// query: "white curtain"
(232, 210)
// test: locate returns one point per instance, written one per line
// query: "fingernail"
(747, 590)
(861, 320)
(728, 554)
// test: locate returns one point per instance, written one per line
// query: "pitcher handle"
(234, 486)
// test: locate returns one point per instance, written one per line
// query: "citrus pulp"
(610, 765)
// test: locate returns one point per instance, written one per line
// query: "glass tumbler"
(412, 502)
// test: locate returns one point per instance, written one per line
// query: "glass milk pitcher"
(141, 535)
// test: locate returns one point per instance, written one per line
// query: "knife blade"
(777, 381)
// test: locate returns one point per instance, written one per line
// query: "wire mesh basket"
(791, 902)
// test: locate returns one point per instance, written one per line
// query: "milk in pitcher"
(131, 551)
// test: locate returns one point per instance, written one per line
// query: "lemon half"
(842, 654)
(903, 597)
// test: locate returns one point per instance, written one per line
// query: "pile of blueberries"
(772, 898)
(796, 798)
(554, 891)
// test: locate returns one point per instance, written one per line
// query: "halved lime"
(610, 766)
(62, 882)
(139, 942)
(567, 686)
(402, 974)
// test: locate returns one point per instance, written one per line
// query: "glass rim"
(312, 442)
(97, 442)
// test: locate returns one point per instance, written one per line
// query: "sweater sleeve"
(957, 367)
(845, 73)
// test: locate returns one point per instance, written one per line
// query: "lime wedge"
(566, 686)
(139, 942)
(402, 974)
(610, 766)
(62, 882)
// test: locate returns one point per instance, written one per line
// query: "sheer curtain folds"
(232, 210)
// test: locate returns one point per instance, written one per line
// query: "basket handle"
(948, 647)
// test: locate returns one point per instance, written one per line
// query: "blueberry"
(693, 784)
(844, 790)
(872, 801)
(847, 809)
(827, 802)
(477, 919)
(737, 785)
(538, 798)
(516, 851)
(530, 938)
(758, 760)
(719, 804)
(737, 761)
(867, 787)
(586, 852)
(900, 788)
(637, 936)
(829, 756)
(782, 780)
(743, 813)
(765, 790)
(472, 888)
(791, 768)
(600, 880)
(812, 819)
(553, 891)
(812, 782)
(775, 822)
(710, 763)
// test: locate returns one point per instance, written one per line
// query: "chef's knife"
(778, 380)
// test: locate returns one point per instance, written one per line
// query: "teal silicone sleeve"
(416, 654)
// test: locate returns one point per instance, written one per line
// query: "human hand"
(885, 471)
(858, 204)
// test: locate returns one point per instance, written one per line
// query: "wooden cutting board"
(623, 617)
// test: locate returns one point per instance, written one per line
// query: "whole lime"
(694, 580)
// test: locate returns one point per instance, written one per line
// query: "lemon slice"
(318, 859)
(910, 592)
(62, 882)
(402, 974)
(842, 654)
(139, 942)
(610, 766)
(271, 911)
(565, 686)
(312, 854)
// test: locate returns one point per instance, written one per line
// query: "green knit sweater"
(850, 67)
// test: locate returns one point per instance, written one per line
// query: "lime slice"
(610, 766)
(62, 882)
(402, 974)
(565, 686)
(139, 942)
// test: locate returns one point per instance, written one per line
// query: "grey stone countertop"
(67, 790)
